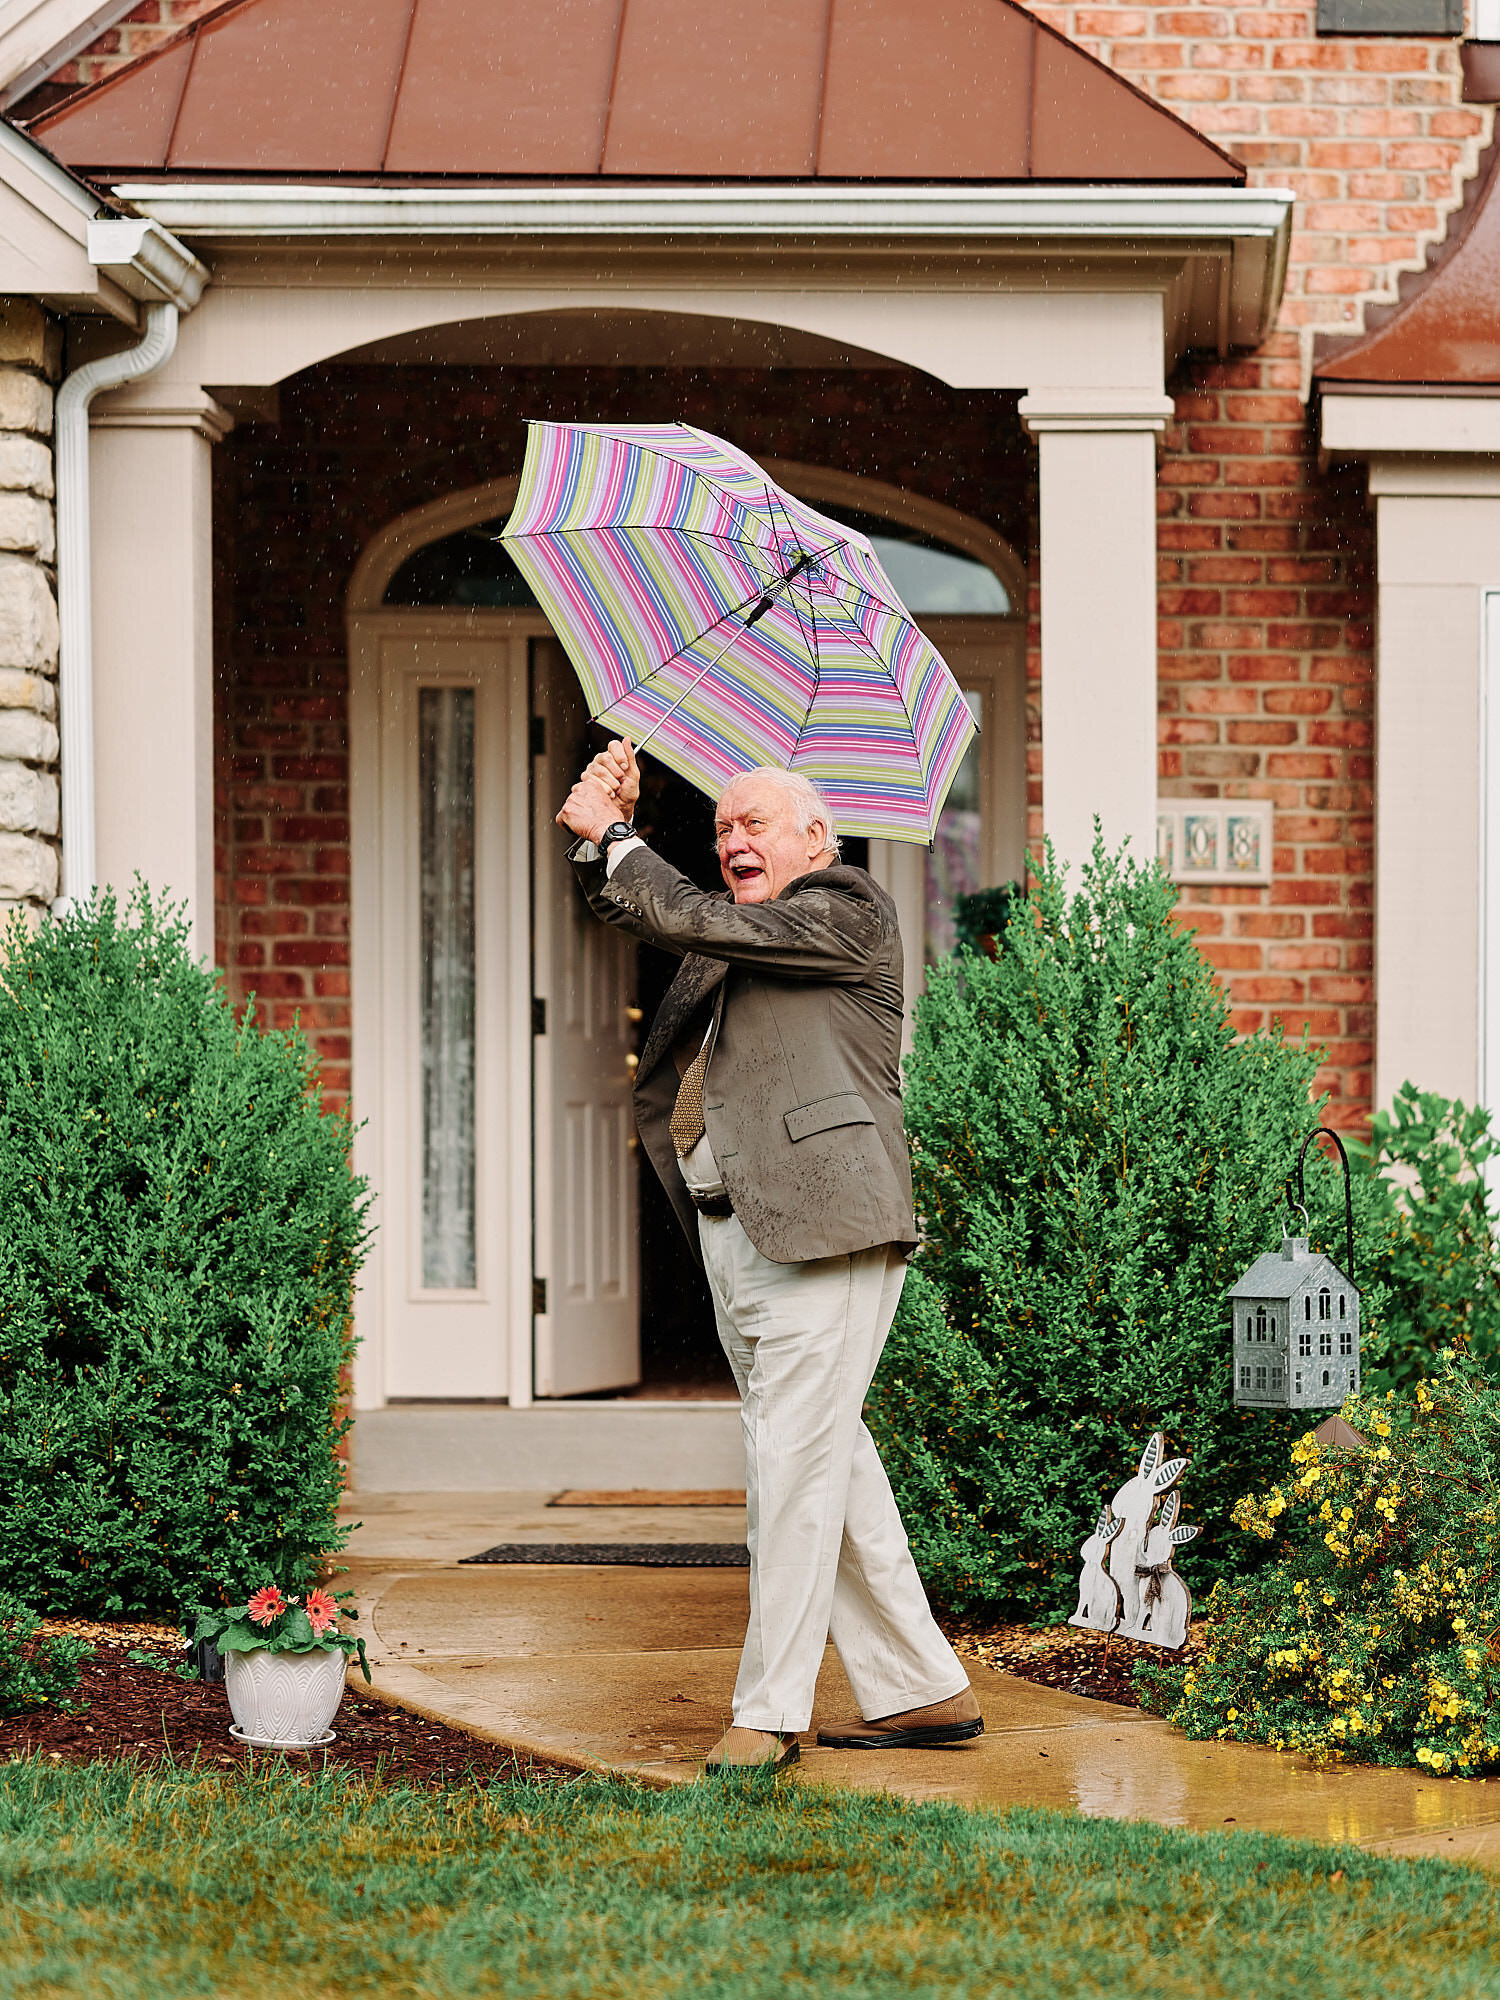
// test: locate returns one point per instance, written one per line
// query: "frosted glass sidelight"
(445, 727)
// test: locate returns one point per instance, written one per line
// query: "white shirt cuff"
(618, 850)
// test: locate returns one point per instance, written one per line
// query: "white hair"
(809, 801)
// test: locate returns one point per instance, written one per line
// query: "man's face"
(761, 846)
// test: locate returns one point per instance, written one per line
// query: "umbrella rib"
(811, 632)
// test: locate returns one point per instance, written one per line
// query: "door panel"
(588, 1336)
(451, 1125)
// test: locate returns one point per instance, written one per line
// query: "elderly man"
(768, 1099)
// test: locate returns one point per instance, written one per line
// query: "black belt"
(716, 1205)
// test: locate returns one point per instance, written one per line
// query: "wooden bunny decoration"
(1166, 1602)
(1098, 1598)
(1133, 1505)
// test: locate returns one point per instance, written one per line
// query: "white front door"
(587, 1227)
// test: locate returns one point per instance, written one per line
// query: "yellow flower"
(1231, 1715)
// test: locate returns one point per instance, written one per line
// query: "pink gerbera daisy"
(322, 1611)
(266, 1605)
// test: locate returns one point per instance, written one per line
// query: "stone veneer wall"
(30, 351)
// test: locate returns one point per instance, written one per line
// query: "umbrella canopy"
(706, 607)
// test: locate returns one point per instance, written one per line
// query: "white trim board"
(1488, 1052)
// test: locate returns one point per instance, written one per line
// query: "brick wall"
(1372, 135)
(143, 29)
(1266, 565)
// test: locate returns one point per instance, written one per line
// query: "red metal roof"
(708, 89)
(1446, 330)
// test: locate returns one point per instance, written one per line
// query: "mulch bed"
(1061, 1656)
(136, 1710)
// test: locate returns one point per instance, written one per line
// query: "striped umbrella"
(710, 612)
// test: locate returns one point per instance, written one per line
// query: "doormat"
(650, 1496)
(644, 1555)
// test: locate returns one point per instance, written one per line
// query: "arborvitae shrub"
(179, 1234)
(1097, 1157)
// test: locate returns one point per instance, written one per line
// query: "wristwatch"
(621, 830)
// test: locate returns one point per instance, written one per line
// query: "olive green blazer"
(803, 1095)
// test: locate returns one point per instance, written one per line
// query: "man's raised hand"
(616, 770)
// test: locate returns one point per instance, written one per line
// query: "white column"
(1437, 903)
(1097, 451)
(153, 644)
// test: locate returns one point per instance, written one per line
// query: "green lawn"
(174, 1885)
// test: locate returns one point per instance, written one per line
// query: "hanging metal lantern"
(1296, 1317)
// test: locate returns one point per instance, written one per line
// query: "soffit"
(878, 90)
(1445, 333)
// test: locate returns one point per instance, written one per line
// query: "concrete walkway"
(631, 1669)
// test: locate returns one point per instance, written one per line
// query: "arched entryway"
(497, 1022)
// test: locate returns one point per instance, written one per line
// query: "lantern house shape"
(1296, 1331)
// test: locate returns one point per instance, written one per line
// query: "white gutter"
(153, 263)
(795, 211)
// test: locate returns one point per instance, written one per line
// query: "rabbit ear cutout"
(1151, 1457)
(1169, 1474)
(1101, 1526)
(1170, 1508)
(1111, 1527)
(1181, 1535)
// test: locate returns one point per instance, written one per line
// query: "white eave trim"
(1247, 230)
(775, 213)
(1357, 422)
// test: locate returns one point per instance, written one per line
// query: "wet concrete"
(633, 1669)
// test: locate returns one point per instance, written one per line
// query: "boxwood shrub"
(1097, 1156)
(180, 1230)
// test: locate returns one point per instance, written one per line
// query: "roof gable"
(1274, 1276)
(947, 90)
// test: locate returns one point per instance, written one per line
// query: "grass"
(125, 1885)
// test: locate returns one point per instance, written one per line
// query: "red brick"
(1261, 732)
(311, 951)
(1297, 701)
(1341, 989)
(1268, 991)
(1303, 958)
(1220, 701)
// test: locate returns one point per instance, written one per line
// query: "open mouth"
(746, 870)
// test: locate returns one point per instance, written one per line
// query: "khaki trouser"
(828, 1553)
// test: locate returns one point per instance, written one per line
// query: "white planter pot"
(284, 1701)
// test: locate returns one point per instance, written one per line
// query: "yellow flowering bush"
(1372, 1635)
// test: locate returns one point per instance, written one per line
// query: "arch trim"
(390, 546)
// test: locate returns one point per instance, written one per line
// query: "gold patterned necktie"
(686, 1123)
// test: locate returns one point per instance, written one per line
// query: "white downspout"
(75, 597)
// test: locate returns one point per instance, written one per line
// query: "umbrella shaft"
(667, 714)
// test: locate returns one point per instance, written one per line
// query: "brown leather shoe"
(952, 1721)
(769, 1753)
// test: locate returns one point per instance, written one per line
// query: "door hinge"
(538, 1017)
(539, 736)
(538, 1295)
